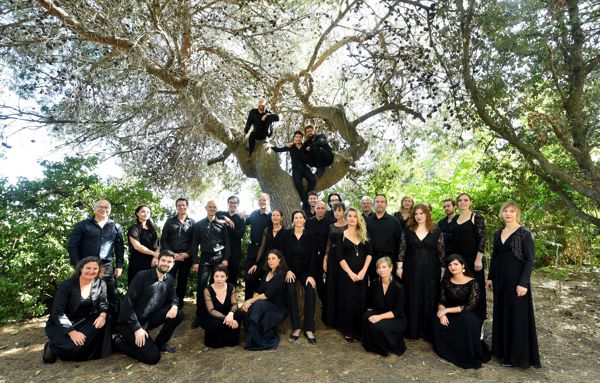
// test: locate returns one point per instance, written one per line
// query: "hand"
(521, 291)
(399, 272)
(242, 214)
(288, 145)
(263, 118)
(100, 321)
(441, 312)
(140, 337)
(312, 282)
(225, 263)
(77, 337)
(444, 320)
(229, 222)
(374, 318)
(252, 269)
(325, 264)
(246, 305)
(196, 267)
(118, 272)
(290, 277)
(478, 266)
(228, 319)
(154, 262)
(490, 285)
(353, 276)
(234, 324)
(361, 275)
(308, 148)
(172, 313)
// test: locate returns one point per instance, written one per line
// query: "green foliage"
(36, 218)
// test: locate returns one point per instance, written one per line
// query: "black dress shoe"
(349, 339)
(196, 323)
(294, 338)
(116, 343)
(166, 348)
(48, 357)
(312, 340)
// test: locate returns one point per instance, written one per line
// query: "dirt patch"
(567, 312)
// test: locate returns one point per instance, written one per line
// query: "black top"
(146, 237)
(270, 242)
(237, 232)
(177, 235)
(146, 295)
(89, 239)
(320, 229)
(262, 128)
(66, 309)
(466, 295)
(354, 255)
(212, 236)
(216, 308)
(300, 254)
(319, 141)
(522, 246)
(447, 228)
(258, 221)
(384, 233)
(298, 154)
(274, 289)
(392, 300)
(478, 232)
(433, 242)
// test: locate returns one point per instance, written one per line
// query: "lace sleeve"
(402, 247)
(473, 296)
(481, 235)
(234, 305)
(441, 249)
(210, 308)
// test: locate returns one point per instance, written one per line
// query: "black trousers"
(181, 272)
(252, 281)
(310, 298)
(149, 353)
(321, 157)
(112, 293)
(252, 139)
(204, 277)
(233, 264)
(320, 278)
(298, 173)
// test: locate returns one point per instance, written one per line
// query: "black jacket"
(177, 235)
(212, 236)
(261, 128)
(89, 239)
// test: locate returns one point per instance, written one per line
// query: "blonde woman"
(406, 205)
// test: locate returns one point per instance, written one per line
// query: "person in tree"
(261, 119)
(300, 169)
(320, 154)
(143, 243)
(77, 328)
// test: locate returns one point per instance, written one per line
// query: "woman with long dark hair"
(514, 336)
(456, 328)
(76, 328)
(421, 259)
(331, 264)
(143, 243)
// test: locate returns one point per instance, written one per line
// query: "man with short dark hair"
(320, 154)
(448, 223)
(150, 302)
(319, 226)
(177, 237)
(313, 197)
(100, 236)
(332, 199)
(384, 231)
(236, 229)
(258, 220)
(262, 120)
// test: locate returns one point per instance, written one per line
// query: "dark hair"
(84, 262)
(332, 194)
(380, 195)
(166, 253)
(313, 193)
(149, 222)
(461, 260)
(282, 265)
(221, 268)
(338, 206)
(296, 212)
(309, 126)
(298, 132)
(187, 203)
(450, 200)
(232, 197)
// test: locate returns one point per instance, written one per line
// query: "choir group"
(377, 278)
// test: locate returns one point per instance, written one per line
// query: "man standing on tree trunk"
(262, 120)
(319, 152)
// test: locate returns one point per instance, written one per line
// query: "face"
(380, 204)
(273, 261)
(509, 214)
(455, 267)
(144, 214)
(366, 205)
(384, 270)
(320, 209)
(102, 209)
(312, 200)
(181, 207)
(262, 202)
(276, 217)
(299, 220)
(420, 216)
(464, 202)
(407, 203)
(233, 204)
(220, 278)
(448, 208)
(310, 133)
(90, 270)
(333, 199)
(165, 263)
(297, 139)
(338, 213)
(352, 218)
(211, 208)
(262, 105)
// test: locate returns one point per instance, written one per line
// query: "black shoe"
(196, 323)
(319, 172)
(349, 339)
(294, 338)
(166, 348)
(117, 341)
(48, 357)
(312, 340)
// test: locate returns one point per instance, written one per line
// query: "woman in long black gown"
(514, 336)
(267, 308)
(384, 322)
(420, 263)
(219, 321)
(331, 264)
(76, 328)
(406, 205)
(143, 243)
(457, 329)
(354, 254)
(469, 240)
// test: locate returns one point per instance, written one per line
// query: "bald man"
(262, 120)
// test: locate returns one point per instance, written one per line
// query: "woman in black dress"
(299, 249)
(406, 205)
(143, 243)
(354, 254)
(420, 262)
(514, 336)
(469, 240)
(264, 311)
(331, 264)
(221, 328)
(272, 239)
(77, 328)
(384, 322)
(457, 329)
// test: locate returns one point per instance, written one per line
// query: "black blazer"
(68, 298)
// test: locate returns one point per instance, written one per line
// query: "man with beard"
(150, 302)
(447, 224)
(262, 120)
(320, 154)
(313, 197)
